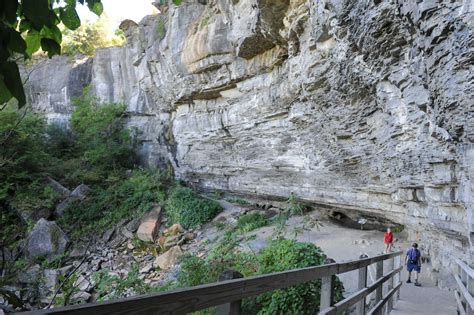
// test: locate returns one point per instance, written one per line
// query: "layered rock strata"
(363, 107)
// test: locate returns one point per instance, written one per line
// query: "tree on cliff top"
(25, 27)
(90, 36)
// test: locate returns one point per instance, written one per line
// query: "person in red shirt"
(388, 240)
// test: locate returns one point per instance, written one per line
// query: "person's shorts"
(411, 267)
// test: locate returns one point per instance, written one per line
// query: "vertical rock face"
(364, 107)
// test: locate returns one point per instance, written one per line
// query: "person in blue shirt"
(413, 262)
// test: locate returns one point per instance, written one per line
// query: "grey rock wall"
(364, 107)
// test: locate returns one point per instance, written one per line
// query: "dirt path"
(344, 244)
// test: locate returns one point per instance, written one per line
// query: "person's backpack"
(413, 256)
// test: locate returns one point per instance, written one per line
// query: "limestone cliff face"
(365, 107)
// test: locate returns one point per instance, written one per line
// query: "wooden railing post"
(232, 308)
(362, 284)
(378, 275)
(396, 278)
(390, 284)
(470, 289)
(326, 299)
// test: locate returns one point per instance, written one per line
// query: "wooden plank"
(461, 310)
(343, 305)
(357, 264)
(391, 284)
(464, 293)
(379, 274)
(377, 309)
(199, 297)
(326, 292)
(362, 283)
(469, 271)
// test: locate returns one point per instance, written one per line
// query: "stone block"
(168, 259)
(47, 239)
(150, 224)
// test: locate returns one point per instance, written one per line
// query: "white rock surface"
(363, 107)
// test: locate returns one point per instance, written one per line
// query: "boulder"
(150, 224)
(48, 284)
(168, 259)
(81, 192)
(80, 297)
(175, 229)
(46, 240)
(30, 275)
(82, 283)
(57, 187)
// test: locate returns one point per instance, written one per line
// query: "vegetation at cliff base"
(280, 255)
(184, 206)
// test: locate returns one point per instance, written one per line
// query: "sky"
(119, 10)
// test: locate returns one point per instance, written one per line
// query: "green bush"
(125, 199)
(304, 298)
(22, 155)
(184, 206)
(250, 222)
(279, 256)
(104, 142)
(34, 198)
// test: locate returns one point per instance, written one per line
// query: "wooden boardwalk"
(228, 294)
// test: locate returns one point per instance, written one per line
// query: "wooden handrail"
(187, 300)
(464, 295)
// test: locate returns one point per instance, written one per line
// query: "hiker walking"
(413, 262)
(388, 240)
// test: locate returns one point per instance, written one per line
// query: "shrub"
(34, 198)
(251, 221)
(125, 199)
(304, 298)
(104, 142)
(22, 155)
(280, 255)
(184, 206)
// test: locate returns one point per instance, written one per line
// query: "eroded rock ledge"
(365, 107)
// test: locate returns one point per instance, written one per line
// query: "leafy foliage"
(68, 290)
(101, 137)
(90, 36)
(110, 286)
(251, 221)
(284, 255)
(22, 156)
(25, 27)
(34, 198)
(128, 198)
(281, 255)
(184, 206)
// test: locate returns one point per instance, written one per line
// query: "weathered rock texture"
(365, 107)
(46, 240)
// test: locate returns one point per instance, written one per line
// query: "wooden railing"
(465, 292)
(231, 292)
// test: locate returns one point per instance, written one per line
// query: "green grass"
(252, 221)
(190, 210)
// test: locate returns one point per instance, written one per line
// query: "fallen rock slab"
(168, 259)
(81, 192)
(150, 224)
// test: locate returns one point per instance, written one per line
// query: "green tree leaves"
(25, 27)
(69, 17)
